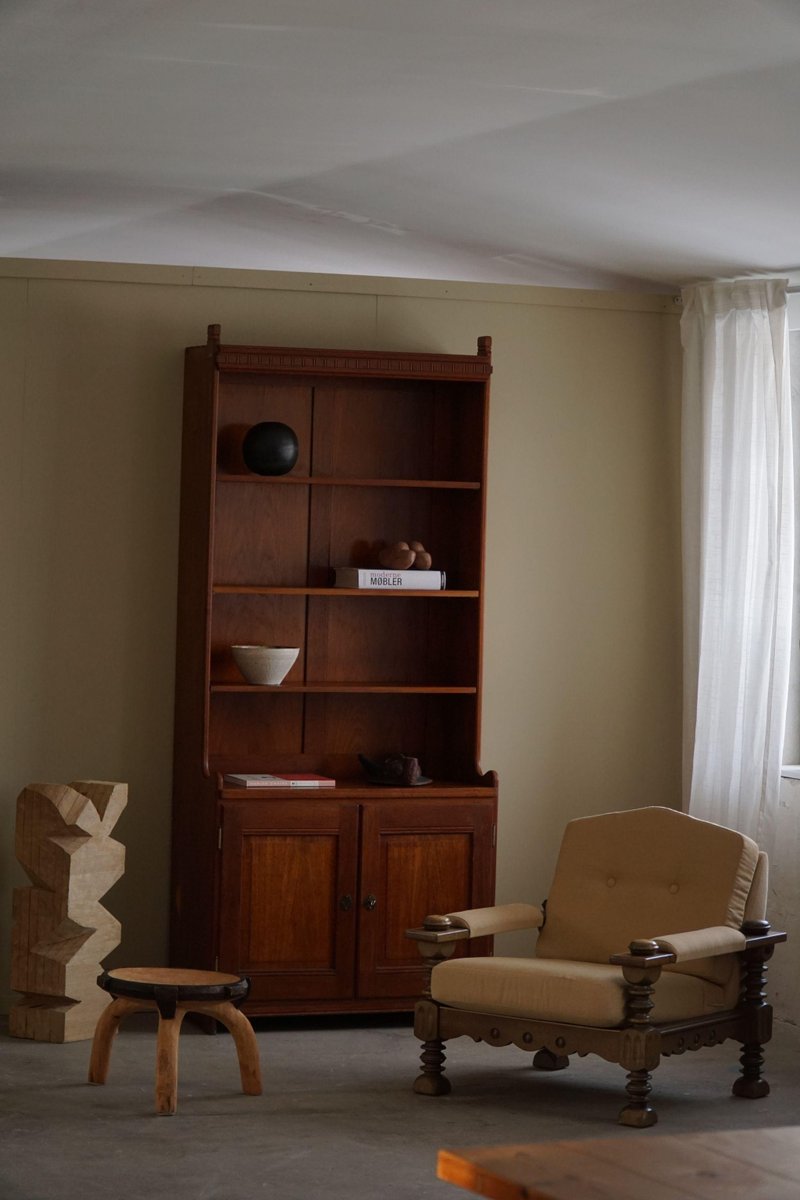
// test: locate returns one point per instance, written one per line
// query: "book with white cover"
(265, 781)
(380, 579)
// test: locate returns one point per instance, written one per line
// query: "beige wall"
(582, 640)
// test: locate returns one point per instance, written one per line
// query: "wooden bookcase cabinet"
(310, 894)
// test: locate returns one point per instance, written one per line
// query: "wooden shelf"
(349, 481)
(225, 589)
(362, 788)
(392, 689)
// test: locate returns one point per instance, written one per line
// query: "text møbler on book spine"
(379, 579)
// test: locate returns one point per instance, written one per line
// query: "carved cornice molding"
(346, 362)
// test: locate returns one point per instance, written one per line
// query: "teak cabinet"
(310, 892)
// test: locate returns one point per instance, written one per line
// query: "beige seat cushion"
(642, 874)
(577, 993)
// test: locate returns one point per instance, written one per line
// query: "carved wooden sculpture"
(61, 932)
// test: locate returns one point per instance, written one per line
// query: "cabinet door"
(288, 902)
(417, 858)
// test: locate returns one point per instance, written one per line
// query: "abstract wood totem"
(61, 932)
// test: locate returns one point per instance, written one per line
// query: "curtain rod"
(790, 291)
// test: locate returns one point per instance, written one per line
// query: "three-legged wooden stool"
(173, 993)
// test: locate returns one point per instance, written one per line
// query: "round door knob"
(370, 902)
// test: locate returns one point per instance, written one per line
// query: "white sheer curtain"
(738, 531)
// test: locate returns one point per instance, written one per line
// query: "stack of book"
(381, 579)
(279, 781)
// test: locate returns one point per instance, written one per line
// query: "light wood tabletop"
(748, 1164)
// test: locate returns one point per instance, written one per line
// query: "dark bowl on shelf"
(270, 448)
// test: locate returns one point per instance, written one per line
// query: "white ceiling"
(578, 143)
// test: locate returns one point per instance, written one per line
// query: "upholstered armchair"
(653, 941)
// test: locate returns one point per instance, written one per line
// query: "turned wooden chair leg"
(637, 1112)
(545, 1060)
(245, 1041)
(432, 1081)
(639, 984)
(750, 1083)
(169, 1029)
(104, 1034)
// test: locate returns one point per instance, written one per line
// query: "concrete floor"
(337, 1118)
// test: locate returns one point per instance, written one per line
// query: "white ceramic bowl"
(265, 665)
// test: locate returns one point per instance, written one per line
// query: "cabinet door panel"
(286, 870)
(294, 925)
(422, 873)
(417, 858)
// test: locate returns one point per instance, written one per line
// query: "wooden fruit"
(402, 555)
(422, 559)
(397, 557)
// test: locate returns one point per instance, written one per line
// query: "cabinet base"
(299, 1008)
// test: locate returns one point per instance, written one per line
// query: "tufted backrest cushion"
(645, 873)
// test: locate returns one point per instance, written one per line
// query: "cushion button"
(673, 887)
(610, 881)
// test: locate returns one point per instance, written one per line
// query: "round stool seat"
(144, 983)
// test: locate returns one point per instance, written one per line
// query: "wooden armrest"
(760, 933)
(436, 928)
(703, 943)
(643, 953)
(698, 943)
(478, 922)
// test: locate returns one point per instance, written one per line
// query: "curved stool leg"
(169, 1029)
(104, 1034)
(244, 1038)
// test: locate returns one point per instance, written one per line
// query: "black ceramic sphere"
(270, 448)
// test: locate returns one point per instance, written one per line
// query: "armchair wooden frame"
(637, 1044)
